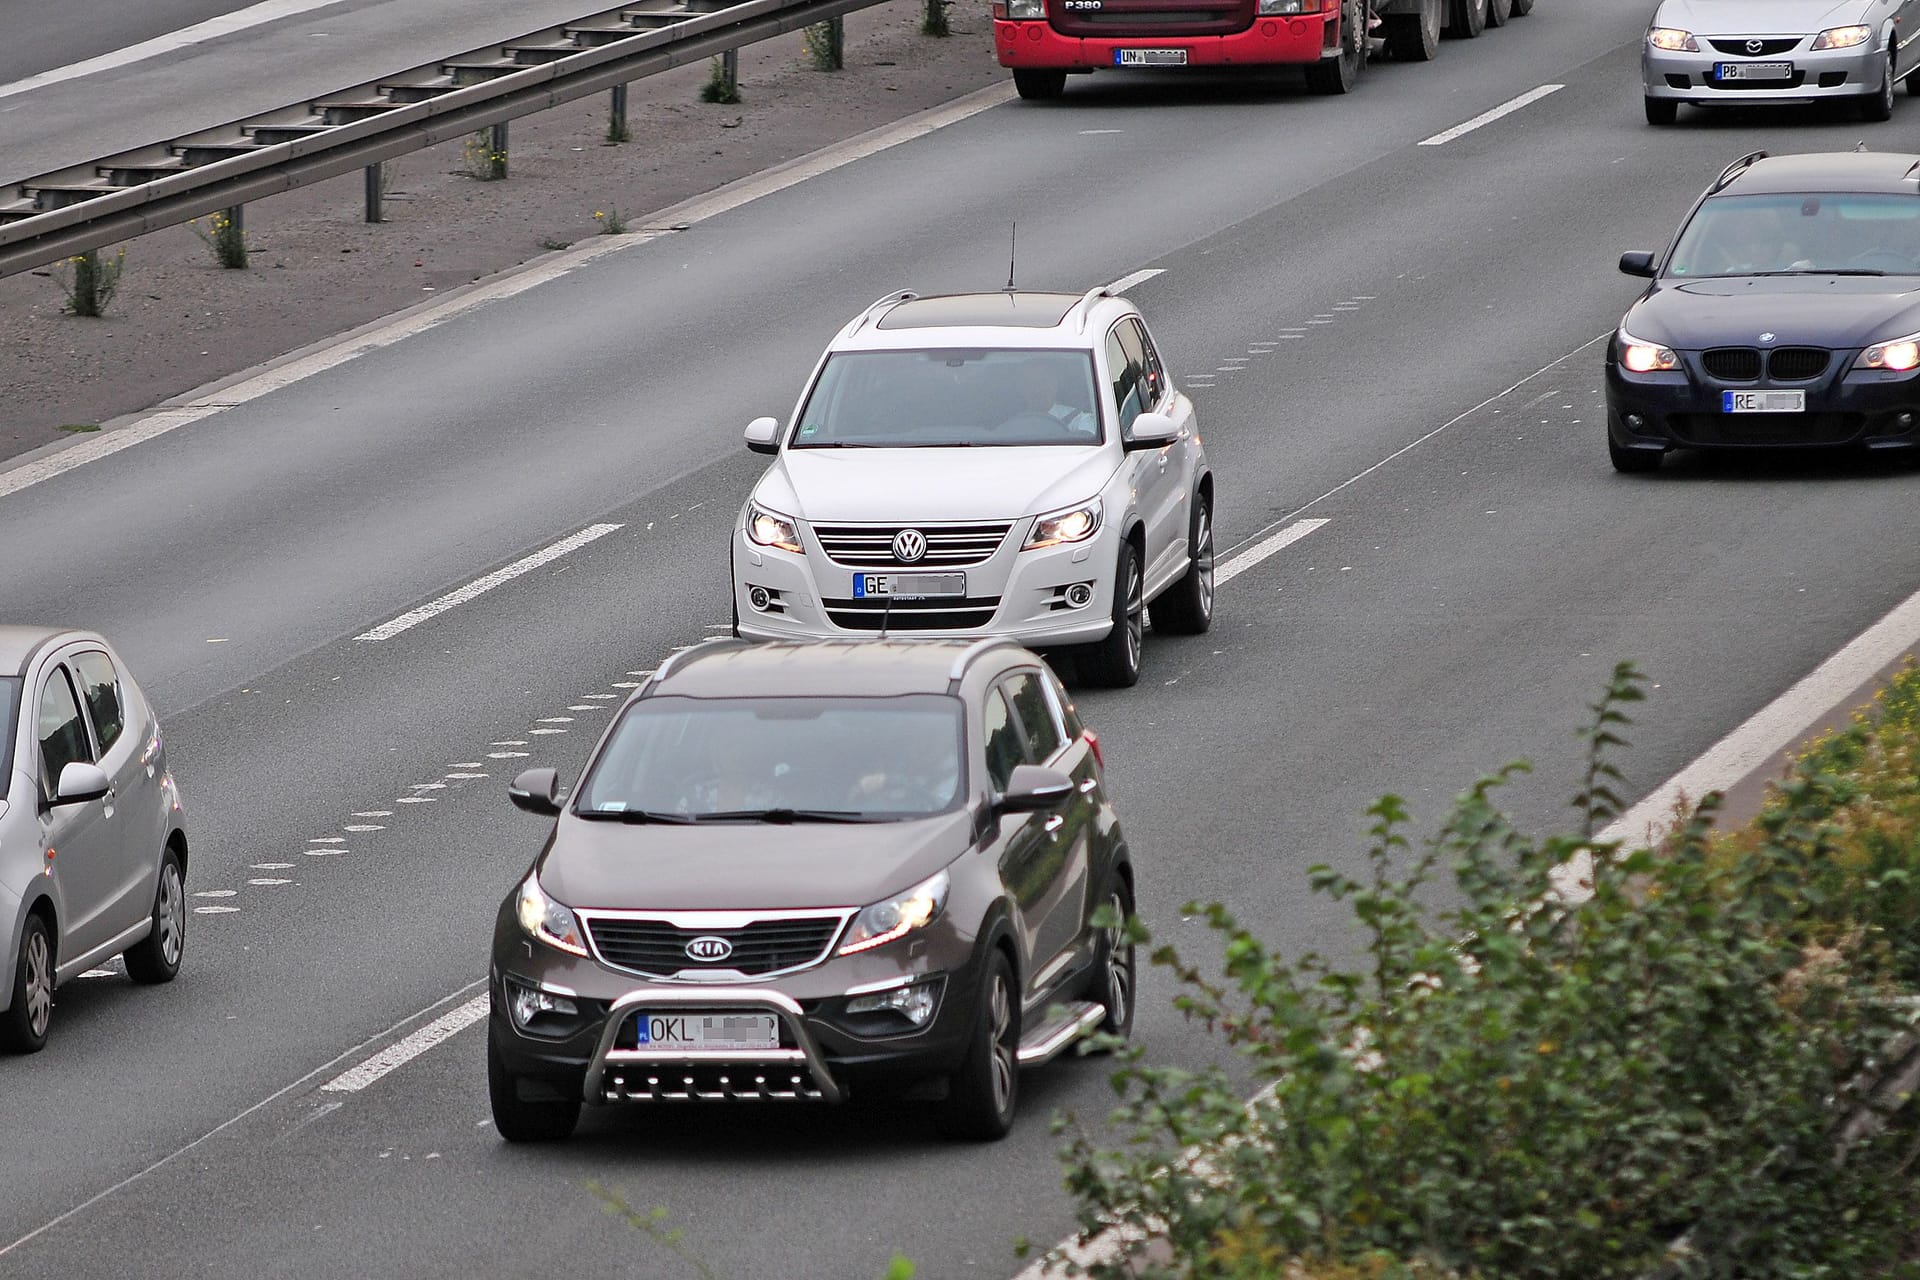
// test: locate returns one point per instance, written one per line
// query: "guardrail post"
(730, 73)
(375, 213)
(236, 216)
(497, 151)
(617, 129)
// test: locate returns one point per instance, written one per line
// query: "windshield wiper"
(634, 817)
(1822, 271)
(785, 816)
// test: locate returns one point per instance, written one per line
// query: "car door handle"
(1088, 785)
(1055, 823)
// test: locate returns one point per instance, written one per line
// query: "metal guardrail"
(117, 197)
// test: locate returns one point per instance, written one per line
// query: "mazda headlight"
(1074, 525)
(883, 922)
(1902, 355)
(1673, 40)
(543, 918)
(1842, 37)
(771, 529)
(1645, 357)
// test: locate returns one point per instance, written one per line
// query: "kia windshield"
(1861, 234)
(677, 759)
(951, 398)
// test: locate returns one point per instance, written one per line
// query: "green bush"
(1517, 1085)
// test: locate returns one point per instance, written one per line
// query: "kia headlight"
(1843, 37)
(543, 918)
(1645, 357)
(1076, 524)
(885, 922)
(1902, 355)
(771, 529)
(1673, 40)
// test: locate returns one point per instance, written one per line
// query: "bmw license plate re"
(909, 586)
(709, 1031)
(1763, 402)
(1149, 57)
(1753, 71)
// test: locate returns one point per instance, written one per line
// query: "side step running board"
(1060, 1027)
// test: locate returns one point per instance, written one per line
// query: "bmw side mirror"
(1033, 788)
(81, 782)
(537, 791)
(1637, 264)
(1152, 431)
(763, 435)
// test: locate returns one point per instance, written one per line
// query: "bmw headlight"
(1076, 524)
(543, 918)
(884, 922)
(1902, 355)
(771, 529)
(1842, 37)
(1673, 40)
(1645, 357)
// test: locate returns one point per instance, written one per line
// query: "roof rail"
(893, 299)
(1085, 305)
(973, 651)
(1735, 169)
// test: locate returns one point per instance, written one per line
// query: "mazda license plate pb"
(1763, 402)
(909, 586)
(707, 1031)
(1753, 71)
(1149, 57)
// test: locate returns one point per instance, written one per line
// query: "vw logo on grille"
(1756, 46)
(709, 948)
(909, 546)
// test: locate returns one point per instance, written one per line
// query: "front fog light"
(915, 1003)
(758, 598)
(1080, 595)
(528, 1003)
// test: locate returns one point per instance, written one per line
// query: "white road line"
(401, 1052)
(212, 29)
(1138, 278)
(480, 586)
(1487, 118)
(1261, 550)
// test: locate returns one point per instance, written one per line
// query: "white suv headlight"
(1902, 355)
(1076, 524)
(547, 920)
(771, 529)
(1645, 357)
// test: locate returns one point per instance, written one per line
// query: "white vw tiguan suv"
(1008, 464)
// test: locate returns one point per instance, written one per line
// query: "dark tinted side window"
(100, 686)
(1155, 373)
(1125, 368)
(1036, 718)
(62, 734)
(1002, 738)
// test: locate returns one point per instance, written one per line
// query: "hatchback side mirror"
(763, 435)
(1637, 264)
(537, 791)
(1034, 788)
(81, 782)
(1152, 431)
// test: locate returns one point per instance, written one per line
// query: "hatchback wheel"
(519, 1120)
(1186, 608)
(1115, 661)
(23, 1027)
(156, 957)
(984, 1092)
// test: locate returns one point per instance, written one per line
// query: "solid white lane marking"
(1488, 117)
(1261, 550)
(480, 586)
(201, 32)
(401, 1052)
(1138, 278)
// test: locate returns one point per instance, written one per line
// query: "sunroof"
(978, 310)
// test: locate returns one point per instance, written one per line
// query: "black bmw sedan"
(1786, 313)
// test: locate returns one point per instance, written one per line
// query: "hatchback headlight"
(1076, 524)
(543, 918)
(1673, 40)
(1645, 357)
(1902, 355)
(771, 529)
(1843, 37)
(884, 922)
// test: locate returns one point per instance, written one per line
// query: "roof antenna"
(1011, 249)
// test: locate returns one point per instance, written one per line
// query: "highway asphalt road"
(1403, 341)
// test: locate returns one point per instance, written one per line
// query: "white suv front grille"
(949, 546)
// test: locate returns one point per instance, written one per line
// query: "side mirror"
(1637, 264)
(763, 435)
(1033, 788)
(81, 782)
(537, 791)
(1151, 431)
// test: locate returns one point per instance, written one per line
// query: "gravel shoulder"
(180, 321)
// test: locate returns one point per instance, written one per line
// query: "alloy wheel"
(1136, 614)
(1119, 975)
(1000, 1017)
(170, 914)
(1203, 557)
(39, 984)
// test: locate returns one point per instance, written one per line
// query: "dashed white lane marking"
(427, 786)
(1488, 117)
(375, 813)
(585, 707)
(1261, 550)
(326, 851)
(268, 880)
(363, 826)
(99, 973)
(403, 1051)
(509, 742)
(216, 893)
(480, 586)
(214, 911)
(1135, 280)
(271, 866)
(327, 840)
(554, 720)
(468, 764)
(462, 776)
(546, 731)
(503, 755)
(415, 800)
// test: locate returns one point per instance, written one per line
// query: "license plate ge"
(1753, 71)
(909, 586)
(1763, 402)
(709, 1031)
(1149, 57)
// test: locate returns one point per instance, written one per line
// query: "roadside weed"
(611, 222)
(90, 281)
(826, 44)
(225, 238)
(720, 87)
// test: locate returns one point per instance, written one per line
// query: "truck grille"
(658, 948)
(968, 614)
(949, 546)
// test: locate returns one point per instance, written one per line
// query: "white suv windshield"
(949, 398)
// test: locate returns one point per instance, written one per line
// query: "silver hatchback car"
(1741, 52)
(93, 850)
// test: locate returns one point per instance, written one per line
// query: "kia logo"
(1756, 46)
(909, 545)
(709, 948)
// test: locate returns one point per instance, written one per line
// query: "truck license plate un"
(707, 1031)
(1753, 71)
(1763, 402)
(909, 586)
(1149, 57)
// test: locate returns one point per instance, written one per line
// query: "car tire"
(156, 957)
(1331, 77)
(518, 1120)
(1415, 37)
(1115, 661)
(1116, 969)
(1186, 608)
(984, 1093)
(1662, 111)
(23, 1027)
(1038, 86)
(1877, 106)
(1499, 12)
(1633, 461)
(1468, 19)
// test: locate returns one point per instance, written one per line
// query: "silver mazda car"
(93, 849)
(1739, 52)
